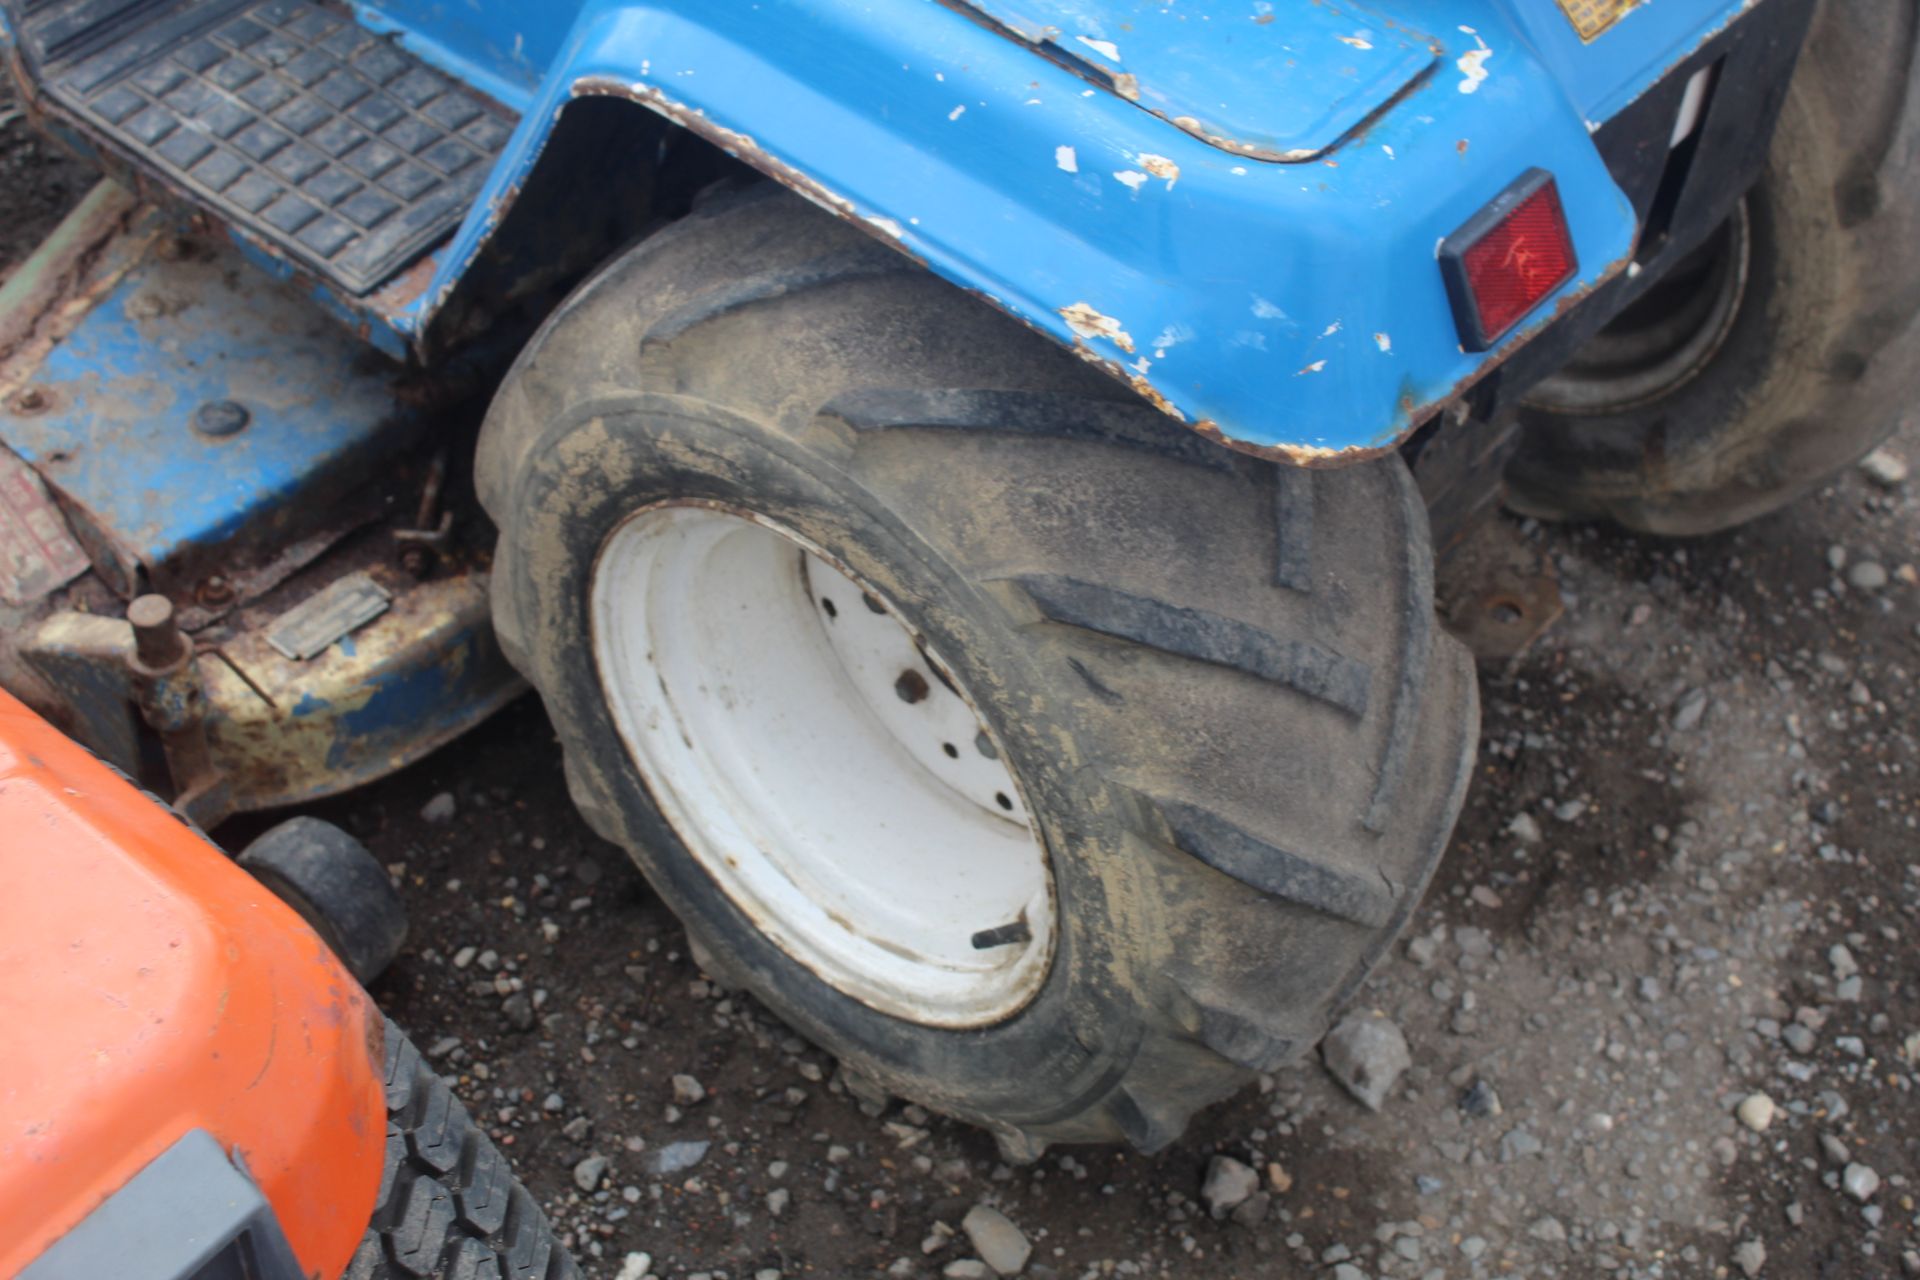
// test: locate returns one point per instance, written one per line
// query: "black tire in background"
(1217, 681)
(1821, 354)
(449, 1207)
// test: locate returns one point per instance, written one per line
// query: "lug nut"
(911, 686)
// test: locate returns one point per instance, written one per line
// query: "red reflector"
(1508, 258)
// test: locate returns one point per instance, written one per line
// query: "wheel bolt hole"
(911, 686)
(833, 610)
(953, 752)
(873, 603)
(1000, 798)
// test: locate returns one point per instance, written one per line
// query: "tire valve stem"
(1005, 935)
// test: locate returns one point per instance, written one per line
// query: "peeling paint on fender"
(1473, 63)
(1105, 48)
(1160, 167)
(1089, 323)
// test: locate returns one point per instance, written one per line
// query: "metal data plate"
(1591, 17)
(37, 553)
(306, 630)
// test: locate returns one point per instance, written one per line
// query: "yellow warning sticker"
(1591, 17)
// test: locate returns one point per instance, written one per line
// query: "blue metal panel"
(1279, 82)
(1280, 305)
(1283, 306)
(1626, 59)
(118, 442)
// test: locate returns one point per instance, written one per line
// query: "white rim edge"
(822, 764)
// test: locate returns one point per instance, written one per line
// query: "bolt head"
(218, 418)
(150, 611)
(31, 400)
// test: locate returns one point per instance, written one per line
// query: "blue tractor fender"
(1235, 208)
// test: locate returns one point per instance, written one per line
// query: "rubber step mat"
(284, 116)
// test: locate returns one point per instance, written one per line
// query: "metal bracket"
(1496, 592)
(166, 686)
(422, 546)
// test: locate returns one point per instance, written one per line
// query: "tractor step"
(325, 141)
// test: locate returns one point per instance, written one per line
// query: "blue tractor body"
(1234, 208)
(1240, 210)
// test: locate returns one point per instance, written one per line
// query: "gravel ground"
(1661, 1001)
(1662, 1005)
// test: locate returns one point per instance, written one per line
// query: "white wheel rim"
(822, 764)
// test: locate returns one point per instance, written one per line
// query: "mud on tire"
(1217, 680)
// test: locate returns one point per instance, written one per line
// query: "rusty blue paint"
(118, 441)
(432, 690)
(1295, 307)
(406, 682)
(1072, 161)
(387, 333)
(1274, 81)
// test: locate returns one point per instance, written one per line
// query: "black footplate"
(283, 116)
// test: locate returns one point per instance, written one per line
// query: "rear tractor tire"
(1781, 350)
(1046, 762)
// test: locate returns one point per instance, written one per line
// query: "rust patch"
(1161, 167)
(1309, 456)
(1089, 323)
(1235, 146)
(1086, 322)
(406, 288)
(1151, 394)
(283, 731)
(30, 401)
(54, 289)
(1497, 593)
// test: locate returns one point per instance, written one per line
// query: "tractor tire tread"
(1056, 414)
(449, 1207)
(1316, 584)
(1205, 637)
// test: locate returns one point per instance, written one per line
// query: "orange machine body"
(150, 987)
